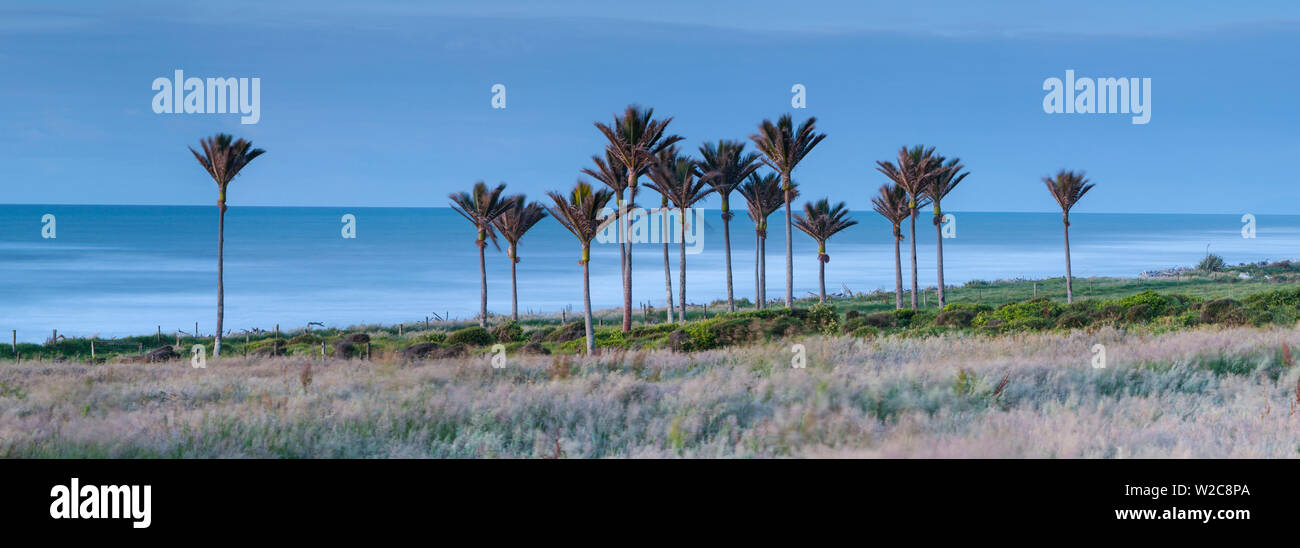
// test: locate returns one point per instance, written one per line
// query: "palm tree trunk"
(482, 275)
(913, 238)
(898, 272)
(221, 273)
(821, 273)
(726, 245)
(938, 243)
(625, 256)
(514, 286)
(789, 246)
(586, 303)
(758, 288)
(762, 253)
(668, 271)
(681, 266)
(1069, 287)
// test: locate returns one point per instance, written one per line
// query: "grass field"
(1207, 392)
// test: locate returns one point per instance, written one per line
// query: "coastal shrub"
(881, 319)
(955, 317)
(1211, 263)
(470, 336)
(701, 337)
(922, 318)
(731, 331)
(851, 315)
(540, 334)
(567, 332)
(306, 338)
(785, 326)
(510, 331)
(866, 332)
(823, 319)
(652, 330)
(1110, 312)
(1155, 304)
(679, 340)
(903, 316)
(1039, 313)
(1072, 320)
(1269, 299)
(1223, 311)
(1139, 313)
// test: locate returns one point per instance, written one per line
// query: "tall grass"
(1196, 393)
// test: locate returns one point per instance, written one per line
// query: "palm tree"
(820, 221)
(892, 205)
(580, 212)
(763, 196)
(481, 207)
(223, 158)
(916, 166)
(945, 179)
(1067, 187)
(783, 148)
(724, 166)
(512, 224)
(634, 140)
(673, 176)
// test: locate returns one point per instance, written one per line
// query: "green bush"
(1072, 320)
(1037, 313)
(510, 331)
(1269, 299)
(881, 319)
(1223, 311)
(851, 315)
(955, 317)
(1155, 304)
(866, 332)
(435, 337)
(823, 319)
(470, 336)
(1139, 313)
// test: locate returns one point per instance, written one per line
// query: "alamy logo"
(102, 502)
(1100, 96)
(655, 227)
(214, 96)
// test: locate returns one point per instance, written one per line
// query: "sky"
(390, 103)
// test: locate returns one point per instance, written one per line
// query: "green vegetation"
(1271, 295)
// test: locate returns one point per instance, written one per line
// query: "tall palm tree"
(724, 166)
(673, 176)
(634, 139)
(481, 207)
(916, 166)
(223, 158)
(891, 204)
(512, 224)
(580, 212)
(763, 196)
(945, 179)
(1067, 187)
(820, 221)
(783, 147)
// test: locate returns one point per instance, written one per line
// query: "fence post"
(367, 351)
(159, 339)
(92, 349)
(15, 343)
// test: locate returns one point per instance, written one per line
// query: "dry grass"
(1198, 393)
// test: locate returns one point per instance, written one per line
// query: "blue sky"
(388, 104)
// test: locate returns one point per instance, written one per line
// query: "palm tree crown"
(763, 197)
(891, 203)
(674, 176)
(1067, 187)
(516, 220)
(821, 220)
(916, 167)
(580, 213)
(481, 207)
(783, 147)
(224, 156)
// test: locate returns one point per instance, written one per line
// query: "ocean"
(126, 270)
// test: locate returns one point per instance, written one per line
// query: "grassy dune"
(1199, 392)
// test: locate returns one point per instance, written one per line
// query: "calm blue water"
(122, 270)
